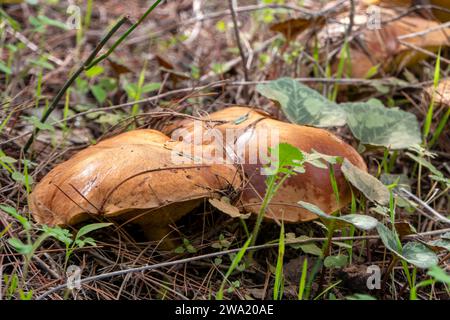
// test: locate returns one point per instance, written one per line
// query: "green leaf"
(13, 212)
(52, 22)
(389, 238)
(8, 160)
(152, 86)
(360, 296)
(58, 233)
(360, 221)
(99, 93)
(234, 264)
(19, 177)
(179, 250)
(19, 246)
(43, 63)
(370, 186)
(309, 248)
(94, 71)
(4, 68)
(91, 227)
(414, 253)
(377, 125)
(38, 124)
(302, 104)
(440, 243)
(337, 261)
(419, 255)
(426, 164)
(283, 157)
(439, 275)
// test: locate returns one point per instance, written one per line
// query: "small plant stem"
(74, 76)
(388, 272)
(124, 36)
(262, 211)
(238, 39)
(439, 128)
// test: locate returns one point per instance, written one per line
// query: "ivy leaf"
(414, 253)
(337, 261)
(443, 243)
(374, 124)
(389, 238)
(360, 221)
(370, 186)
(419, 255)
(301, 104)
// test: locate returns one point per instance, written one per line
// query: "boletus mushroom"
(313, 186)
(132, 177)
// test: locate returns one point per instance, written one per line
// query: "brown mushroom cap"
(313, 186)
(133, 176)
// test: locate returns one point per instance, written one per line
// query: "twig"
(425, 205)
(351, 21)
(424, 51)
(238, 39)
(125, 35)
(32, 46)
(225, 252)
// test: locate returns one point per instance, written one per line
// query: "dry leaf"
(441, 93)
(293, 27)
(225, 206)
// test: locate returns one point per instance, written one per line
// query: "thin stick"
(238, 39)
(225, 252)
(124, 36)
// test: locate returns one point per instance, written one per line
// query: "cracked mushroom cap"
(312, 186)
(133, 176)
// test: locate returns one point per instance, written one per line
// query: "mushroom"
(312, 186)
(132, 177)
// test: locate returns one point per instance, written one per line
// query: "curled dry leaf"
(312, 186)
(441, 93)
(132, 177)
(394, 46)
(225, 206)
(370, 186)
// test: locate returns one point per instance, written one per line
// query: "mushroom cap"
(313, 186)
(134, 175)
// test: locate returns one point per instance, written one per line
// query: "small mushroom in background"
(132, 177)
(312, 186)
